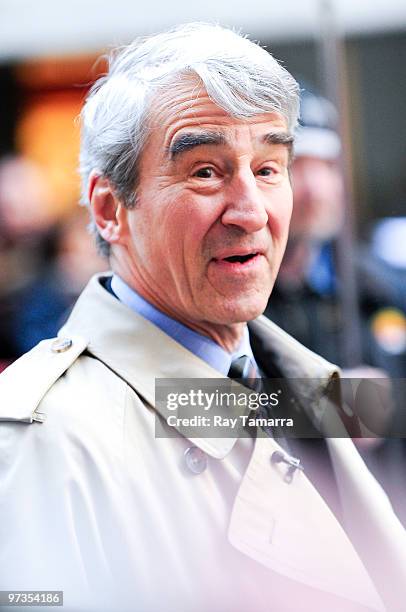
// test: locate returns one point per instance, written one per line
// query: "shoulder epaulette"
(25, 382)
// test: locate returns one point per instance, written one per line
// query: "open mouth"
(240, 258)
(238, 267)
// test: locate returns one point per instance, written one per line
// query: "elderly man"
(185, 158)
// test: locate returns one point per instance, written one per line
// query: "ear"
(109, 213)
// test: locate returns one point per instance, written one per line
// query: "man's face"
(318, 199)
(214, 202)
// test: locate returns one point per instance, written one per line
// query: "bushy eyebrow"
(279, 138)
(189, 140)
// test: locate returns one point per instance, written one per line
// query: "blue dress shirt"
(202, 346)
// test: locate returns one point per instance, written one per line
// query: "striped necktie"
(244, 369)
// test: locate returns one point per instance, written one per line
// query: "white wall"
(36, 27)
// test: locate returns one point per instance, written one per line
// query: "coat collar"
(139, 352)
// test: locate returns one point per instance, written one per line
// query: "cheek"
(182, 228)
(192, 217)
(141, 228)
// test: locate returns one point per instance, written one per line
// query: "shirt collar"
(199, 345)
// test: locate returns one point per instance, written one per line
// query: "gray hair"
(238, 75)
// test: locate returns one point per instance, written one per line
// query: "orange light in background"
(48, 135)
(48, 132)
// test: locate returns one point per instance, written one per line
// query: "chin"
(240, 311)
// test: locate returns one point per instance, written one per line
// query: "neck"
(227, 336)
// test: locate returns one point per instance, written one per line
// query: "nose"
(245, 204)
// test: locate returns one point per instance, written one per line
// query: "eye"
(204, 173)
(267, 171)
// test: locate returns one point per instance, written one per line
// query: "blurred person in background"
(305, 301)
(24, 220)
(26, 233)
(40, 308)
(388, 246)
(387, 251)
(44, 263)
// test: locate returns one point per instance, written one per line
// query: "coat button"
(60, 345)
(196, 459)
(292, 463)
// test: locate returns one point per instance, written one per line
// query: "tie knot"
(244, 369)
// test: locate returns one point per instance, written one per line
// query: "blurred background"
(353, 53)
(342, 287)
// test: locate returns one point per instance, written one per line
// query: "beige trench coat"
(92, 503)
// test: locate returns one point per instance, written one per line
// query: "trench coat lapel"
(138, 351)
(376, 534)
